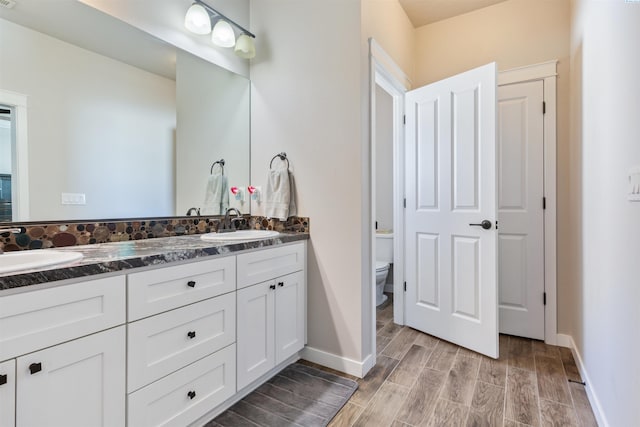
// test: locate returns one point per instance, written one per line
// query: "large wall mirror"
(115, 123)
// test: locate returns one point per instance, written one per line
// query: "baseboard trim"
(339, 363)
(567, 341)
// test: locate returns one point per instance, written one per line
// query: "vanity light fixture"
(199, 18)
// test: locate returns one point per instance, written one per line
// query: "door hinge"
(496, 225)
(405, 286)
(404, 119)
(544, 298)
(404, 202)
(544, 107)
(544, 203)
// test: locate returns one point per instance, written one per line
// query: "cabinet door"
(78, 383)
(255, 340)
(290, 315)
(7, 393)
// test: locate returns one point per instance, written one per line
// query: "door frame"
(20, 163)
(547, 73)
(384, 72)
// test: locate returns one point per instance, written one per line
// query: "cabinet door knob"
(281, 284)
(35, 368)
(3, 379)
(191, 394)
(191, 334)
(191, 283)
(272, 286)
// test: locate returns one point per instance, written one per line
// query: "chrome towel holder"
(282, 156)
(218, 162)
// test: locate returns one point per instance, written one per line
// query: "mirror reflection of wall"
(213, 124)
(384, 159)
(107, 129)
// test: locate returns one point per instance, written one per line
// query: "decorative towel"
(278, 194)
(216, 196)
(293, 210)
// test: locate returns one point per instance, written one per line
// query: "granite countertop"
(118, 256)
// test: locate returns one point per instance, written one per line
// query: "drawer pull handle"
(3, 379)
(191, 394)
(272, 286)
(191, 334)
(35, 368)
(191, 283)
(281, 284)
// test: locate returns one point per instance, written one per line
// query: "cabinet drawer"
(34, 320)
(155, 291)
(256, 267)
(164, 343)
(184, 396)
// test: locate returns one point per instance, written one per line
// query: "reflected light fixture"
(223, 34)
(198, 20)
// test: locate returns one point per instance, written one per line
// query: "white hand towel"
(293, 210)
(216, 196)
(278, 194)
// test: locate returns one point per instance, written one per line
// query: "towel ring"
(219, 162)
(282, 156)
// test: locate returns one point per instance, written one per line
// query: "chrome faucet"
(14, 230)
(197, 211)
(227, 225)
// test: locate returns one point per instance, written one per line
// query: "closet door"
(290, 315)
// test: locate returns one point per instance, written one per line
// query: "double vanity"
(167, 331)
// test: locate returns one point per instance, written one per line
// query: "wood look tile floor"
(420, 380)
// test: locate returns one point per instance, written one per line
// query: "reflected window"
(6, 161)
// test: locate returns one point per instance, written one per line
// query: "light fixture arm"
(212, 10)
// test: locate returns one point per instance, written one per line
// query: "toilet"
(384, 257)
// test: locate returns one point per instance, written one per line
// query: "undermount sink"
(240, 235)
(37, 258)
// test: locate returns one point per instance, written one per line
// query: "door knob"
(281, 284)
(191, 394)
(3, 379)
(486, 224)
(35, 367)
(191, 283)
(191, 334)
(272, 287)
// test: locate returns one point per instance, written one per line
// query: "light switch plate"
(634, 184)
(73, 199)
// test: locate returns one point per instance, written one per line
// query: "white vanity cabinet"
(171, 345)
(181, 333)
(66, 355)
(271, 314)
(78, 383)
(8, 393)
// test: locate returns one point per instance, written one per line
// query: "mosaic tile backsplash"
(55, 235)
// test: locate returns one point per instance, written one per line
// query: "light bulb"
(223, 34)
(245, 47)
(197, 20)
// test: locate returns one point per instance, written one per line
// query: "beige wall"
(514, 33)
(388, 24)
(306, 101)
(605, 145)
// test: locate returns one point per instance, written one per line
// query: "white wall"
(384, 159)
(606, 132)
(212, 124)
(164, 19)
(306, 101)
(91, 116)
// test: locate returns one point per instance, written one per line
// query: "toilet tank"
(384, 247)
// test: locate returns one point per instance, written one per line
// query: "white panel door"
(520, 209)
(451, 265)
(255, 338)
(79, 383)
(290, 315)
